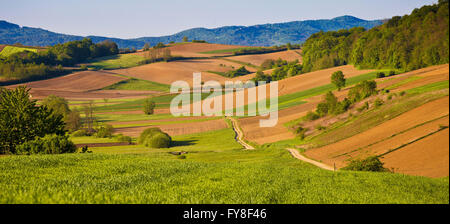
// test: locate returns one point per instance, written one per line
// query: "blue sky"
(137, 18)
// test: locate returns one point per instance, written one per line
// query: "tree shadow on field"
(183, 143)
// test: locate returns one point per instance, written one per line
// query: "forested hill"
(258, 35)
(410, 42)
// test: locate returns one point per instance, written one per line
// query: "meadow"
(116, 62)
(9, 50)
(216, 171)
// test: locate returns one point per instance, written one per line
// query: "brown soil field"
(195, 49)
(250, 125)
(390, 143)
(178, 129)
(77, 82)
(426, 157)
(433, 71)
(82, 85)
(168, 73)
(258, 59)
(254, 133)
(1, 47)
(89, 95)
(433, 110)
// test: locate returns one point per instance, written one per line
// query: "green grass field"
(9, 50)
(138, 84)
(116, 62)
(215, 170)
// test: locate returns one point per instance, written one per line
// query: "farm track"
(239, 134)
(297, 155)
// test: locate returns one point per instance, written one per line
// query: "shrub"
(381, 75)
(372, 163)
(300, 132)
(363, 107)
(320, 127)
(80, 133)
(158, 140)
(392, 73)
(402, 93)
(124, 138)
(378, 102)
(105, 131)
(155, 138)
(322, 109)
(49, 144)
(311, 116)
(362, 90)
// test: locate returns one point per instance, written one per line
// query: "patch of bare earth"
(178, 129)
(400, 130)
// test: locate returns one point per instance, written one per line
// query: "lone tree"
(149, 106)
(22, 120)
(338, 79)
(146, 47)
(185, 39)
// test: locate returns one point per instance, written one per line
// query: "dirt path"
(239, 134)
(297, 155)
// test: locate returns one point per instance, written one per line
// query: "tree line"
(28, 64)
(405, 43)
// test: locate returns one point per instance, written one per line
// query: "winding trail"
(239, 134)
(297, 155)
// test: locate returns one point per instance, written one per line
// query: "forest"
(26, 65)
(404, 43)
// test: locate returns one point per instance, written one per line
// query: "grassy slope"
(216, 170)
(9, 50)
(138, 84)
(116, 61)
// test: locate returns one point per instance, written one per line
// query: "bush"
(105, 131)
(124, 138)
(320, 127)
(158, 140)
(372, 163)
(49, 144)
(392, 73)
(80, 133)
(381, 75)
(363, 107)
(148, 132)
(155, 138)
(311, 116)
(362, 90)
(300, 132)
(378, 102)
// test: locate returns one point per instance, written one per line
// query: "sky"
(140, 18)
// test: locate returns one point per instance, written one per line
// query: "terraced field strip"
(297, 155)
(412, 118)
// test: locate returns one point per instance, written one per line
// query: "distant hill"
(257, 35)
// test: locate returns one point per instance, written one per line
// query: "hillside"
(257, 35)
(407, 43)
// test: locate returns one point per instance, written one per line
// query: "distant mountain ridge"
(257, 35)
